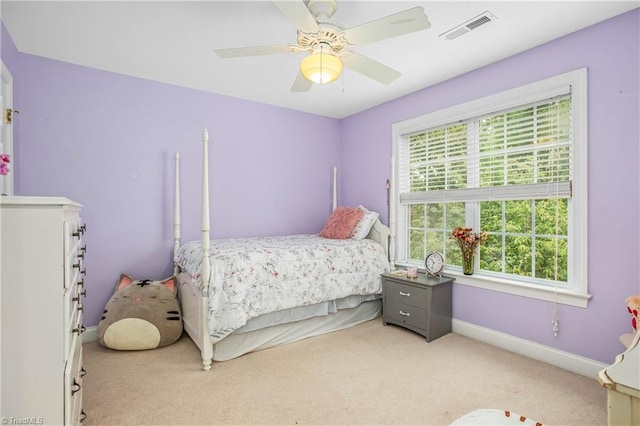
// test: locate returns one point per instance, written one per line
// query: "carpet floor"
(366, 375)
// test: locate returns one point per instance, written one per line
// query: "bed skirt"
(238, 344)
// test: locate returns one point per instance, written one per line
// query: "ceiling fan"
(327, 41)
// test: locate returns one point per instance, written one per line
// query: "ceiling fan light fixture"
(321, 68)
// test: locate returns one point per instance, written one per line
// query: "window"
(513, 165)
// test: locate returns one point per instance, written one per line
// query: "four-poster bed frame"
(194, 300)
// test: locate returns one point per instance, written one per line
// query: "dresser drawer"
(73, 233)
(406, 294)
(73, 374)
(73, 320)
(74, 252)
(406, 314)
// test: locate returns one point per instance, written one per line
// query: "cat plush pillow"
(141, 315)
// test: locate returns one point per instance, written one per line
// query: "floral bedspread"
(255, 276)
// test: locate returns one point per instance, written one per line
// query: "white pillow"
(364, 226)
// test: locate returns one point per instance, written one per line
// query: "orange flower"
(468, 240)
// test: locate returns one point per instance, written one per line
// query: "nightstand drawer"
(406, 294)
(407, 314)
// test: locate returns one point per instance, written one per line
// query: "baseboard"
(565, 360)
(90, 335)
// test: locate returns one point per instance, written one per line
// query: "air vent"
(471, 24)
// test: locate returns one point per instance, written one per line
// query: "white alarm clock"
(434, 263)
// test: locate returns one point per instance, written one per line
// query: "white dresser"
(41, 295)
(622, 380)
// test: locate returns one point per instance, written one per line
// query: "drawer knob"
(83, 293)
(82, 416)
(75, 387)
(405, 314)
(83, 372)
(80, 255)
(81, 283)
(83, 271)
(80, 308)
(402, 293)
(83, 249)
(76, 265)
(80, 330)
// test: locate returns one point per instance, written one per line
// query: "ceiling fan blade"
(409, 21)
(301, 84)
(370, 68)
(298, 13)
(238, 52)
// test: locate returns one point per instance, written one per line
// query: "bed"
(240, 295)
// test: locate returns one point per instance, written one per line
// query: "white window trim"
(577, 80)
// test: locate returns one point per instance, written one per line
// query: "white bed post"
(392, 216)
(207, 349)
(335, 188)
(205, 211)
(176, 214)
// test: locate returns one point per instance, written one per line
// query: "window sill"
(561, 296)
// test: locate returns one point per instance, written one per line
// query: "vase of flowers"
(468, 241)
(468, 264)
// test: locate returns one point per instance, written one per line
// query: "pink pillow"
(342, 223)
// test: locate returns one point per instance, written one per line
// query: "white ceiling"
(174, 42)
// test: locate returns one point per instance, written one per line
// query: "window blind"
(519, 153)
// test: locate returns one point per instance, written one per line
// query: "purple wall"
(108, 140)
(610, 51)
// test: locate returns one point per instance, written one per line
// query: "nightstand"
(421, 304)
